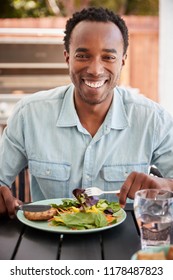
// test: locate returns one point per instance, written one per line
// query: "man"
(89, 133)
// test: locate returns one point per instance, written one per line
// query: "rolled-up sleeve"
(163, 144)
(12, 152)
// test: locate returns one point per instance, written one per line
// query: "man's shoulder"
(133, 97)
(134, 101)
(57, 93)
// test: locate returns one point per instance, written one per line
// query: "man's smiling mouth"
(94, 84)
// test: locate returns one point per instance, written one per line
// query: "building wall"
(166, 55)
(140, 71)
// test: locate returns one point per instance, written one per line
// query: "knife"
(33, 207)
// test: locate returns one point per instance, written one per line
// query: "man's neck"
(92, 116)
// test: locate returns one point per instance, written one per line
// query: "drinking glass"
(153, 210)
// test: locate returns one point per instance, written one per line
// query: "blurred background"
(45, 8)
(31, 47)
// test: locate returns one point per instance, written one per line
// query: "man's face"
(95, 60)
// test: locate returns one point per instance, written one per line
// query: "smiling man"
(91, 132)
(95, 58)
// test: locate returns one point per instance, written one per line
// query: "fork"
(94, 191)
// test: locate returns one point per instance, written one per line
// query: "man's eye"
(109, 58)
(82, 56)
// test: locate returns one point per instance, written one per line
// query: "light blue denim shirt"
(45, 134)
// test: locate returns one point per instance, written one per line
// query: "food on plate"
(83, 212)
(158, 255)
(151, 256)
(170, 253)
(40, 216)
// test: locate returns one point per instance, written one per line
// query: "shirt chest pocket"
(119, 173)
(50, 171)
(52, 178)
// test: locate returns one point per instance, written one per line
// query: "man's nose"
(95, 67)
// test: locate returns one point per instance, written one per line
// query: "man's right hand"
(7, 202)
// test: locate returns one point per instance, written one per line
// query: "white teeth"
(94, 84)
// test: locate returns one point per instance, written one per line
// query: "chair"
(20, 187)
(154, 171)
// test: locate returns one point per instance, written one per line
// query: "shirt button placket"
(87, 167)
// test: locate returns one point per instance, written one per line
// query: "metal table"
(21, 242)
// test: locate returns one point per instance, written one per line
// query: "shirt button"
(48, 172)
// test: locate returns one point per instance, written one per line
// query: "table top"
(21, 242)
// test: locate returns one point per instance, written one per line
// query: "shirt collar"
(68, 116)
(119, 119)
(115, 119)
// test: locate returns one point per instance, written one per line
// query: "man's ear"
(66, 55)
(124, 59)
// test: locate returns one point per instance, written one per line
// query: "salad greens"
(83, 199)
(85, 212)
(80, 220)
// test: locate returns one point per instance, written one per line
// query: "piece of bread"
(151, 256)
(40, 216)
(170, 253)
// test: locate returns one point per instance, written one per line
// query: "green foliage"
(23, 8)
(115, 6)
(129, 7)
(39, 8)
(141, 7)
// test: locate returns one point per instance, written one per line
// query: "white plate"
(44, 225)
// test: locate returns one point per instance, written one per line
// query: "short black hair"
(95, 14)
